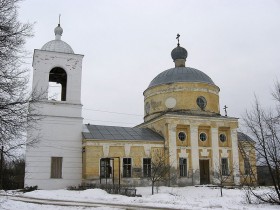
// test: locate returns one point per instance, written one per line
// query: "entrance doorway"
(204, 171)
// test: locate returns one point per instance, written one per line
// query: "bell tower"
(55, 161)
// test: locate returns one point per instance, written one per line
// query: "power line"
(122, 113)
(110, 121)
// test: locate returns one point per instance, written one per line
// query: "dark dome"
(180, 74)
(179, 53)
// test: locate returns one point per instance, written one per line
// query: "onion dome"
(58, 45)
(180, 73)
(58, 32)
(179, 53)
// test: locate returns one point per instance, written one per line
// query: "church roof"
(180, 74)
(57, 45)
(243, 137)
(102, 132)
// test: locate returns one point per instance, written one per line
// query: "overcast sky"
(127, 43)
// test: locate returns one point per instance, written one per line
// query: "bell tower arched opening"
(57, 84)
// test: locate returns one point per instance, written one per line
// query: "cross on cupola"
(225, 108)
(179, 54)
(178, 36)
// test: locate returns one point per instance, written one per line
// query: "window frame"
(201, 102)
(183, 133)
(147, 167)
(201, 138)
(183, 167)
(105, 170)
(127, 167)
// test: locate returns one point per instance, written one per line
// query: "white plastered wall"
(59, 130)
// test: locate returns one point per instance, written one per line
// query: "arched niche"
(57, 84)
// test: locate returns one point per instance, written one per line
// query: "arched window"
(57, 84)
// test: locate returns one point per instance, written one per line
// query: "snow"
(201, 197)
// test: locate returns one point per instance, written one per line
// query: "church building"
(182, 126)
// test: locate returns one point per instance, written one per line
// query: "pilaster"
(172, 145)
(195, 154)
(215, 151)
(235, 156)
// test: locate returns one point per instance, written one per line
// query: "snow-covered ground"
(168, 197)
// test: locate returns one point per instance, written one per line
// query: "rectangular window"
(56, 167)
(126, 167)
(105, 168)
(225, 167)
(246, 166)
(147, 167)
(183, 166)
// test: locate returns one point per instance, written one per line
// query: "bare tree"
(160, 168)
(14, 92)
(223, 175)
(264, 126)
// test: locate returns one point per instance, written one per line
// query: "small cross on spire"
(225, 108)
(59, 19)
(178, 36)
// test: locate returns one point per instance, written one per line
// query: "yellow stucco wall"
(185, 95)
(94, 151)
(251, 154)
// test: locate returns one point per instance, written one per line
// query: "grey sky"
(127, 43)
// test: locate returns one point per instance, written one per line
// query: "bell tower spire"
(58, 30)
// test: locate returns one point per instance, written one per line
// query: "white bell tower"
(55, 162)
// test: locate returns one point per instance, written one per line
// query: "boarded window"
(56, 167)
(225, 167)
(126, 167)
(147, 167)
(183, 166)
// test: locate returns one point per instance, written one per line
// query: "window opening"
(203, 136)
(126, 167)
(201, 102)
(246, 166)
(54, 92)
(147, 167)
(225, 167)
(183, 167)
(182, 136)
(223, 137)
(57, 84)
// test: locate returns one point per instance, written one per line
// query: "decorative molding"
(182, 89)
(204, 152)
(183, 153)
(224, 153)
(127, 150)
(147, 149)
(106, 150)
